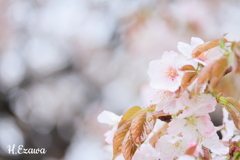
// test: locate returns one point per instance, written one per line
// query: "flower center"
(177, 144)
(192, 120)
(202, 57)
(172, 72)
(168, 93)
(178, 148)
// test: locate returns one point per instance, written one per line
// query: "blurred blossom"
(123, 96)
(62, 18)
(19, 12)
(50, 101)
(43, 57)
(85, 148)
(9, 134)
(145, 40)
(12, 69)
(228, 17)
(20, 103)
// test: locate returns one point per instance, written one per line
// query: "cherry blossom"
(194, 122)
(164, 73)
(167, 101)
(204, 58)
(171, 147)
(190, 124)
(214, 145)
(146, 152)
(187, 49)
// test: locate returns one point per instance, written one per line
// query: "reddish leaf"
(212, 73)
(218, 70)
(206, 46)
(128, 146)
(237, 64)
(188, 78)
(203, 77)
(233, 107)
(206, 154)
(129, 115)
(236, 51)
(123, 128)
(229, 69)
(119, 136)
(187, 68)
(190, 151)
(236, 48)
(142, 125)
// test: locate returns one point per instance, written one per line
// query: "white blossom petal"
(176, 126)
(186, 157)
(108, 118)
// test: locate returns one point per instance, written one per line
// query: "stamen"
(172, 73)
(203, 56)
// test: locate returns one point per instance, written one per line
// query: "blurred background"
(62, 62)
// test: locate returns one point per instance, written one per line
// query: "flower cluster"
(177, 125)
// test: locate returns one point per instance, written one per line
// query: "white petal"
(190, 133)
(204, 109)
(146, 152)
(109, 136)
(205, 126)
(230, 128)
(225, 115)
(185, 49)
(169, 147)
(169, 55)
(108, 118)
(215, 145)
(186, 157)
(176, 126)
(199, 61)
(195, 41)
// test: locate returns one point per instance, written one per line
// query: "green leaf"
(222, 44)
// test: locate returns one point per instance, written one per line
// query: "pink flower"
(194, 122)
(215, 145)
(164, 73)
(167, 101)
(146, 152)
(204, 58)
(187, 49)
(171, 147)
